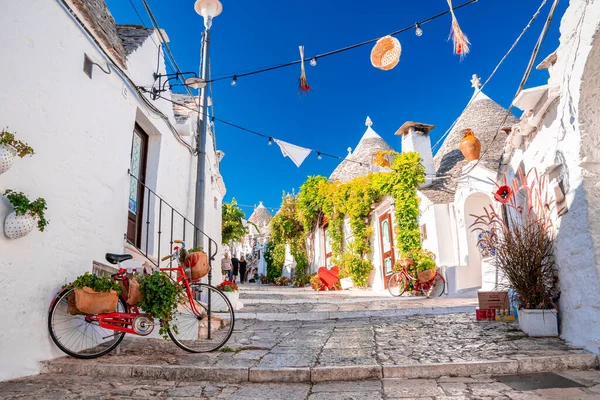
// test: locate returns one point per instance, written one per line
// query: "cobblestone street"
(315, 359)
(482, 387)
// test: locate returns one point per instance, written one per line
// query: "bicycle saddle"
(117, 258)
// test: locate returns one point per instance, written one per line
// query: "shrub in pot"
(231, 291)
(523, 244)
(93, 294)
(11, 148)
(22, 220)
(160, 298)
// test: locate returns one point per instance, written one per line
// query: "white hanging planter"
(7, 157)
(538, 323)
(17, 226)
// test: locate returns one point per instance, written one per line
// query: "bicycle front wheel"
(397, 284)
(77, 336)
(203, 323)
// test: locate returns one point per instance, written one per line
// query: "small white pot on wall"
(538, 323)
(17, 226)
(7, 157)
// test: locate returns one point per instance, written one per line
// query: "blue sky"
(429, 85)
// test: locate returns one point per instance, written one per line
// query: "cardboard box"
(493, 300)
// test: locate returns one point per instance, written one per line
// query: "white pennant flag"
(296, 153)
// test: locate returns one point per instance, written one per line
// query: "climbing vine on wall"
(353, 200)
(407, 175)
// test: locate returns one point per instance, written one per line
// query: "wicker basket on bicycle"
(426, 276)
(197, 263)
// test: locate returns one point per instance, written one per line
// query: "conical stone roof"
(369, 145)
(261, 217)
(484, 116)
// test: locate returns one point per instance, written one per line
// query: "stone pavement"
(482, 387)
(274, 303)
(366, 348)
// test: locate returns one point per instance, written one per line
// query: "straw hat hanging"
(386, 53)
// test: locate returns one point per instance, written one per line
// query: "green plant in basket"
(24, 206)
(98, 283)
(184, 253)
(228, 286)
(160, 297)
(22, 149)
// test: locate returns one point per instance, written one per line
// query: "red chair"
(329, 277)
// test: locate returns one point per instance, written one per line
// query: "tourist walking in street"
(243, 267)
(226, 267)
(235, 264)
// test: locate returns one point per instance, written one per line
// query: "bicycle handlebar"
(166, 257)
(177, 241)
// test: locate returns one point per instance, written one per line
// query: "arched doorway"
(477, 272)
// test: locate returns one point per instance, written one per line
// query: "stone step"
(335, 315)
(234, 374)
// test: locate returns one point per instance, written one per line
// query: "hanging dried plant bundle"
(386, 53)
(459, 39)
(304, 88)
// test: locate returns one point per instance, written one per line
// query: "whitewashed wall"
(565, 140)
(82, 131)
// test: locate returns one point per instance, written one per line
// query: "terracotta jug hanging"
(470, 146)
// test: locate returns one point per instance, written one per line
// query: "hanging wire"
(535, 15)
(343, 49)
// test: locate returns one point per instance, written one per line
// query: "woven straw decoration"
(386, 53)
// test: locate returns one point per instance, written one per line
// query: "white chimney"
(415, 137)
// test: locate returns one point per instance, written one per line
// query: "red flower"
(503, 194)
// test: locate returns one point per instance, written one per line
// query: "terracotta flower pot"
(7, 157)
(470, 146)
(17, 226)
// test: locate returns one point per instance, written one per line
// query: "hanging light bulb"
(418, 30)
(270, 141)
(313, 61)
(234, 80)
(319, 156)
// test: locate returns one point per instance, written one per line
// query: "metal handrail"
(212, 244)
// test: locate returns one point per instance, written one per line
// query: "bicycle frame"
(123, 322)
(418, 285)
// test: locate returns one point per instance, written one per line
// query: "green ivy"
(98, 283)
(24, 206)
(233, 228)
(160, 297)
(275, 258)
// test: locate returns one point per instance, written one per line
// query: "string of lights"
(417, 26)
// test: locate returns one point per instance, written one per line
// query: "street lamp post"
(208, 9)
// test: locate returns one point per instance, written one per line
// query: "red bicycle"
(204, 321)
(431, 286)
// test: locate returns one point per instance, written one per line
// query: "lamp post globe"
(208, 9)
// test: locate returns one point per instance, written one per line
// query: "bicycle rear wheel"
(397, 284)
(439, 286)
(76, 336)
(195, 331)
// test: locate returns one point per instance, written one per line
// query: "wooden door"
(139, 154)
(387, 246)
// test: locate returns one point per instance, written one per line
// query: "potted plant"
(231, 291)
(195, 262)
(93, 294)
(22, 220)
(523, 244)
(11, 148)
(160, 298)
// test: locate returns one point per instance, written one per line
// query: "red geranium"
(228, 286)
(503, 194)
